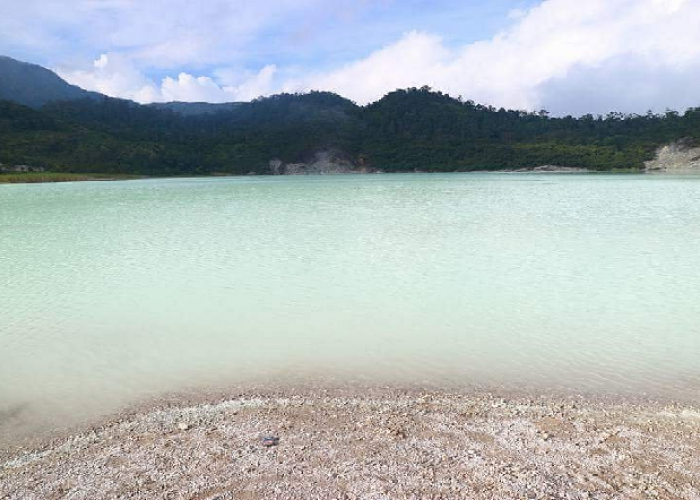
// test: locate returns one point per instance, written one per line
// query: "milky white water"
(113, 291)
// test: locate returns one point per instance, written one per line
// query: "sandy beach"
(359, 443)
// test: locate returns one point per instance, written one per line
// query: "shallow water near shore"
(115, 291)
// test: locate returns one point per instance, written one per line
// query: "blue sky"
(307, 33)
(569, 56)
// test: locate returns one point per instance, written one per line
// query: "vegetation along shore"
(34, 177)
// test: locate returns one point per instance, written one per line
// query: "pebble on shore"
(378, 445)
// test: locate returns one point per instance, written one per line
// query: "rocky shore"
(370, 444)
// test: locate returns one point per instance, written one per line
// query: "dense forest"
(405, 130)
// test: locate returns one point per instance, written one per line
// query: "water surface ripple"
(110, 291)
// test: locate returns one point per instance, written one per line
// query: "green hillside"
(405, 130)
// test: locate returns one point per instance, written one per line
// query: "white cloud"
(113, 75)
(116, 76)
(190, 88)
(553, 44)
(571, 55)
(256, 85)
(415, 60)
(628, 84)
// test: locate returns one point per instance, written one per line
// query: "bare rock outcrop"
(322, 162)
(675, 158)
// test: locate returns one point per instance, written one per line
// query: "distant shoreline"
(56, 177)
(51, 177)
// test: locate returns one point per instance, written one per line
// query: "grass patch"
(30, 177)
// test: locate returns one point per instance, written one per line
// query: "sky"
(566, 56)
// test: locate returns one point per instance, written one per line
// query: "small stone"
(398, 433)
(269, 441)
(183, 426)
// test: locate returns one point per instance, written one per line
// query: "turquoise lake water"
(110, 291)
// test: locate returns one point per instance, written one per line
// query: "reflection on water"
(111, 291)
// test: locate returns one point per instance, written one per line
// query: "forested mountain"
(34, 86)
(195, 108)
(416, 128)
(406, 130)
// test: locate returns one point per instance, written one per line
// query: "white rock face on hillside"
(322, 162)
(675, 158)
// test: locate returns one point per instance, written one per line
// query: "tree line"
(415, 128)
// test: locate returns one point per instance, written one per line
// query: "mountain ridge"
(34, 85)
(406, 130)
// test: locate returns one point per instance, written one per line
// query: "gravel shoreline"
(374, 443)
